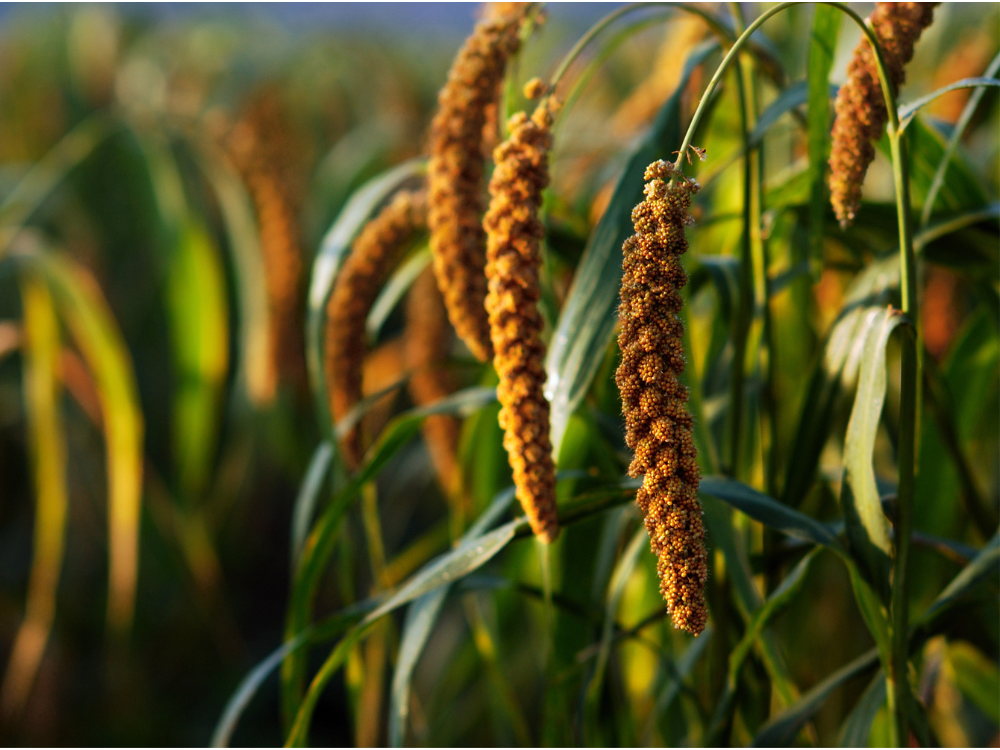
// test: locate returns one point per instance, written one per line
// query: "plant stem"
(899, 693)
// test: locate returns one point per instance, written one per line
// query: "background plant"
(141, 458)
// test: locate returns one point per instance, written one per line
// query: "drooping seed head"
(861, 112)
(456, 170)
(513, 260)
(373, 254)
(262, 149)
(659, 428)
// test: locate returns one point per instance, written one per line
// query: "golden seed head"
(456, 170)
(861, 112)
(373, 255)
(427, 341)
(513, 259)
(263, 151)
(658, 425)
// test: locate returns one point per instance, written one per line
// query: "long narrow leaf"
(867, 526)
(782, 729)
(47, 440)
(85, 312)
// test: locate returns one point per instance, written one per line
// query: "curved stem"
(711, 21)
(887, 90)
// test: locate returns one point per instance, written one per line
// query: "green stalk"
(898, 692)
(897, 674)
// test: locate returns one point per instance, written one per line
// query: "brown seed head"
(455, 170)
(861, 111)
(373, 255)
(658, 424)
(513, 232)
(262, 150)
(427, 340)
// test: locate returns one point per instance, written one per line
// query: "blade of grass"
(937, 182)
(308, 497)
(86, 313)
(616, 588)
(256, 371)
(49, 172)
(780, 598)
(856, 730)
(867, 526)
(47, 441)
(782, 729)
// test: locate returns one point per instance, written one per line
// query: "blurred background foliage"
(126, 208)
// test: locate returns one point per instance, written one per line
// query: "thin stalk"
(744, 38)
(899, 692)
(745, 309)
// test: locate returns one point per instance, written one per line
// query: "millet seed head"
(263, 151)
(513, 260)
(374, 253)
(658, 425)
(861, 112)
(456, 170)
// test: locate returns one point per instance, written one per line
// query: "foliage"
(844, 383)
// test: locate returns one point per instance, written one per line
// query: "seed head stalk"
(898, 691)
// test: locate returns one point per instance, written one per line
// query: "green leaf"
(450, 567)
(822, 47)
(837, 366)
(748, 599)
(953, 140)
(857, 729)
(256, 372)
(961, 189)
(672, 684)
(782, 729)
(983, 566)
(867, 526)
(616, 587)
(768, 511)
(420, 619)
(780, 598)
(199, 327)
(907, 111)
(86, 313)
(320, 542)
(48, 173)
(308, 497)
(248, 688)
(47, 449)
(977, 677)
(794, 95)
(333, 250)
(587, 321)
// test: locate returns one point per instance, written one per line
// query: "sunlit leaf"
(47, 440)
(85, 312)
(867, 526)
